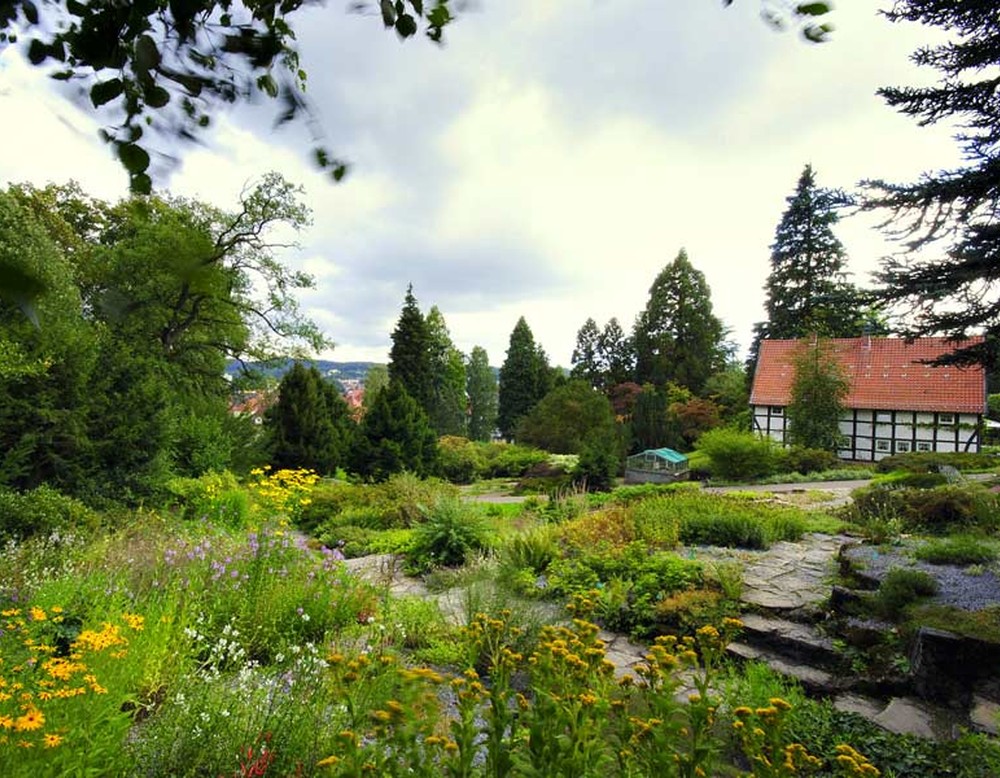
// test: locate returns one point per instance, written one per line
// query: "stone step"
(814, 680)
(798, 641)
(905, 715)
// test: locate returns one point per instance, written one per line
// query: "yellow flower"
(330, 760)
(52, 740)
(37, 614)
(33, 719)
(6, 722)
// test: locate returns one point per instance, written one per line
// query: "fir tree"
(310, 425)
(410, 355)
(586, 359)
(448, 408)
(394, 436)
(482, 391)
(616, 353)
(807, 289)
(677, 337)
(525, 378)
(951, 217)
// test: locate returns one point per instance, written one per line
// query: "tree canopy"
(945, 278)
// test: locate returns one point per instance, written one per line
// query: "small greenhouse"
(657, 466)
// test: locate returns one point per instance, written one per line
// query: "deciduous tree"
(818, 391)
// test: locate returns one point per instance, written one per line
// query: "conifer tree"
(677, 337)
(310, 425)
(410, 355)
(482, 391)
(524, 378)
(394, 436)
(586, 359)
(617, 354)
(807, 288)
(448, 407)
(951, 217)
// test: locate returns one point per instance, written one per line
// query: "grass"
(958, 550)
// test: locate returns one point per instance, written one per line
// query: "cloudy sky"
(547, 161)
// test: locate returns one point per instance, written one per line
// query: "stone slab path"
(793, 576)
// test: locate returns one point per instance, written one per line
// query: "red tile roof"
(884, 374)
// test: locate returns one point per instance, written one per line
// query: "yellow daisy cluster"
(850, 762)
(282, 492)
(35, 676)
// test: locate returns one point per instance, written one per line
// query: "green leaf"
(30, 11)
(133, 157)
(388, 13)
(105, 91)
(418, 6)
(266, 83)
(339, 171)
(147, 56)
(37, 52)
(406, 26)
(812, 9)
(156, 97)
(140, 183)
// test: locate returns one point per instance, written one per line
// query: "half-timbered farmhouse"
(896, 402)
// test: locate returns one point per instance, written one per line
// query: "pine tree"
(586, 359)
(807, 289)
(394, 436)
(482, 391)
(818, 391)
(376, 379)
(410, 355)
(617, 355)
(677, 337)
(952, 215)
(310, 425)
(525, 378)
(448, 408)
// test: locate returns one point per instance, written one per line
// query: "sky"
(547, 161)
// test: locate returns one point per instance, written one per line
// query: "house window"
(845, 442)
(902, 446)
(884, 417)
(882, 445)
(946, 418)
(777, 410)
(923, 446)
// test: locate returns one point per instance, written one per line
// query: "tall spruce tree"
(448, 407)
(617, 354)
(951, 217)
(525, 378)
(807, 289)
(410, 355)
(677, 337)
(586, 359)
(482, 391)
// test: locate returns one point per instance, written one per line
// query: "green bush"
(41, 511)
(216, 497)
(450, 530)
(809, 460)
(946, 507)
(958, 550)
(533, 550)
(509, 460)
(655, 523)
(927, 461)
(899, 479)
(738, 456)
(902, 587)
(733, 531)
(460, 460)
(327, 500)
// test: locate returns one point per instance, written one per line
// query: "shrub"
(939, 509)
(730, 530)
(533, 550)
(41, 511)
(809, 460)
(460, 460)
(899, 479)
(508, 460)
(685, 611)
(655, 523)
(450, 530)
(329, 498)
(958, 550)
(737, 456)
(902, 587)
(928, 461)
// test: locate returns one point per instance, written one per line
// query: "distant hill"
(340, 371)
